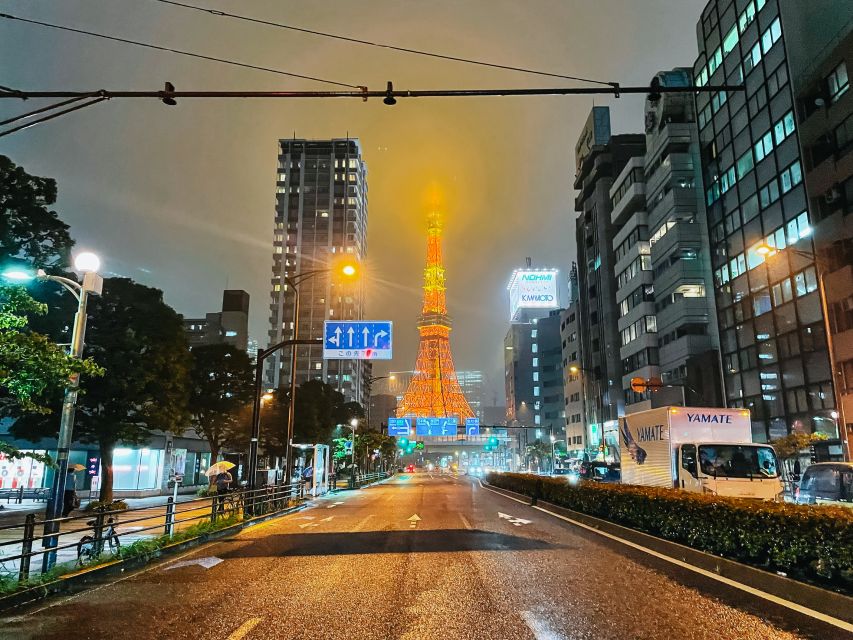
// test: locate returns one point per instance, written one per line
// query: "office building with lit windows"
(320, 214)
(761, 220)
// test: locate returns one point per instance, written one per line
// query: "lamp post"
(345, 268)
(553, 442)
(87, 263)
(840, 423)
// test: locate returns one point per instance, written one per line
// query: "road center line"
(241, 631)
(836, 622)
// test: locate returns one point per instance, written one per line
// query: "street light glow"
(353, 423)
(87, 261)
(765, 250)
(19, 275)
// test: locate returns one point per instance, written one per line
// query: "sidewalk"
(147, 512)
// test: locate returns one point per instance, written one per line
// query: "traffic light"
(402, 442)
(419, 445)
(493, 441)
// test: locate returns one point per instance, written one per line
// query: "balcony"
(682, 271)
(682, 232)
(682, 348)
(683, 311)
(632, 200)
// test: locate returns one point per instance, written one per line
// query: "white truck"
(699, 449)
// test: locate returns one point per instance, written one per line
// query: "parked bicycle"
(90, 547)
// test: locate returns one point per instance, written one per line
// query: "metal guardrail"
(364, 479)
(101, 525)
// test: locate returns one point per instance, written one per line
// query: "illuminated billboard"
(532, 289)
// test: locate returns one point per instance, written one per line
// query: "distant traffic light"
(402, 442)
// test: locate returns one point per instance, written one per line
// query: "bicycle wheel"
(85, 550)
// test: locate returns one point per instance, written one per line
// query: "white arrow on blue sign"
(348, 340)
(472, 426)
(399, 426)
(435, 427)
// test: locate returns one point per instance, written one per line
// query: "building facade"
(687, 345)
(599, 159)
(229, 326)
(320, 215)
(772, 337)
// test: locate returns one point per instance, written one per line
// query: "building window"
(837, 82)
(791, 177)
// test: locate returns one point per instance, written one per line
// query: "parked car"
(827, 483)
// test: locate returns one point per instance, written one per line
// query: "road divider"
(829, 607)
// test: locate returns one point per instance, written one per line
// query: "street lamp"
(88, 264)
(768, 251)
(349, 270)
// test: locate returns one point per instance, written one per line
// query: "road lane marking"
(465, 521)
(413, 521)
(836, 622)
(329, 519)
(243, 630)
(308, 524)
(513, 520)
(207, 563)
(307, 518)
(332, 506)
(540, 628)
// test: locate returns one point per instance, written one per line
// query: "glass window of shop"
(21, 472)
(135, 469)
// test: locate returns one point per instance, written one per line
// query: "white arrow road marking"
(517, 522)
(332, 506)
(414, 518)
(329, 519)
(207, 563)
(307, 518)
(413, 521)
(308, 524)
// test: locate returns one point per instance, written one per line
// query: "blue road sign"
(435, 427)
(472, 426)
(399, 426)
(345, 340)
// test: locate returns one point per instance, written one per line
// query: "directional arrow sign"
(414, 518)
(349, 340)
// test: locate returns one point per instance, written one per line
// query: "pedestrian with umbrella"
(70, 501)
(223, 480)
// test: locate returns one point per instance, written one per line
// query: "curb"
(78, 581)
(824, 601)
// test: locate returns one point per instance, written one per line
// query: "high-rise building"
(229, 326)
(599, 159)
(686, 347)
(473, 387)
(320, 215)
(382, 407)
(819, 44)
(573, 392)
(549, 375)
(772, 337)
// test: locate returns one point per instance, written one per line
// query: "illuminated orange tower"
(434, 389)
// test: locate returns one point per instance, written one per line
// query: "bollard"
(27, 546)
(170, 516)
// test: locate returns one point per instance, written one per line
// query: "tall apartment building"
(574, 399)
(772, 338)
(229, 326)
(550, 376)
(599, 159)
(687, 349)
(320, 215)
(635, 291)
(819, 43)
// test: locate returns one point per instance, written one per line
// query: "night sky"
(182, 197)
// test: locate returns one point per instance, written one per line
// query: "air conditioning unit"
(833, 195)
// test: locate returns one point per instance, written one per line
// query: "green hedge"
(806, 542)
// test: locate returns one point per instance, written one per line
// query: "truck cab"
(743, 470)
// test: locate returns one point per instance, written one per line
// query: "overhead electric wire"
(177, 51)
(51, 116)
(380, 45)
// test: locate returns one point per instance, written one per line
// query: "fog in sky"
(182, 198)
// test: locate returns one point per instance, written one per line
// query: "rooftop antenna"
(529, 262)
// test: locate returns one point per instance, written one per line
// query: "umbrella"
(219, 467)
(76, 467)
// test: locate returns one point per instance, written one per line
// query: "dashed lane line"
(465, 521)
(817, 615)
(243, 630)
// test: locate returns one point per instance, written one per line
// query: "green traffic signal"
(402, 442)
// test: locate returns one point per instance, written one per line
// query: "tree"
(540, 451)
(221, 385)
(33, 370)
(319, 408)
(28, 228)
(141, 342)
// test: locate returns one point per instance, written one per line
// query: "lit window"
(730, 40)
(536, 392)
(837, 82)
(318, 365)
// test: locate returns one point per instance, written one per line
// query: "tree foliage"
(33, 369)
(220, 395)
(141, 342)
(791, 445)
(28, 228)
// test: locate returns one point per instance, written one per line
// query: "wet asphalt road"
(357, 565)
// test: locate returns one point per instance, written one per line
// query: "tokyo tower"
(434, 390)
